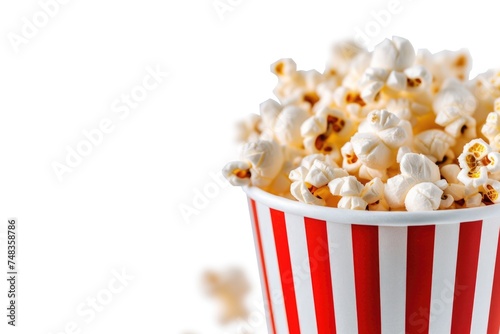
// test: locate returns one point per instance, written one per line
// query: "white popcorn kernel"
(372, 152)
(473, 198)
(326, 131)
(417, 77)
(284, 68)
(308, 160)
(378, 139)
(237, 173)
(371, 83)
(425, 196)
(358, 67)
(265, 159)
(321, 173)
(373, 191)
(445, 64)
(287, 126)
(302, 193)
(396, 81)
(248, 129)
(269, 111)
(396, 54)
(350, 189)
(397, 188)
(415, 169)
(367, 173)
(350, 162)
(450, 173)
(435, 145)
(401, 153)
(347, 185)
(447, 202)
(454, 106)
(420, 168)
(456, 191)
(298, 174)
(352, 203)
(341, 57)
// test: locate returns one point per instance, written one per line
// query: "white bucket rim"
(375, 218)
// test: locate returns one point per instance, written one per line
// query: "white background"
(119, 209)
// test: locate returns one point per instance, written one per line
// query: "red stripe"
(367, 278)
(494, 318)
(469, 240)
(319, 262)
(263, 263)
(419, 259)
(285, 266)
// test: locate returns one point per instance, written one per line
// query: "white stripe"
(443, 278)
(261, 269)
(273, 273)
(392, 250)
(299, 257)
(485, 273)
(342, 271)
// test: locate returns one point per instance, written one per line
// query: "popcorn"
(260, 163)
(392, 66)
(324, 131)
(378, 138)
(454, 106)
(296, 87)
(415, 169)
(445, 64)
(491, 127)
(435, 145)
(287, 125)
(477, 161)
(425, 196)
(407, 110)
(310, 185)
(350, 189)
(382, 130)
(373, 194)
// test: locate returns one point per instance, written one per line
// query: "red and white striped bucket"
(326, 270)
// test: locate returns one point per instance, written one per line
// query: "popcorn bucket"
(327, 270)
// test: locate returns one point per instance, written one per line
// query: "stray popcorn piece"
(476, 161)
(454, 106)
(230, 288)
(378, 139)
(350, 189)
(260, 163)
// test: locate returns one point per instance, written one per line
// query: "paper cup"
(328, 270)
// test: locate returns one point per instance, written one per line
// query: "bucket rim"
(375, 218)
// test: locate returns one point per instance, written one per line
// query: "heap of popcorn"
(392, 129)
